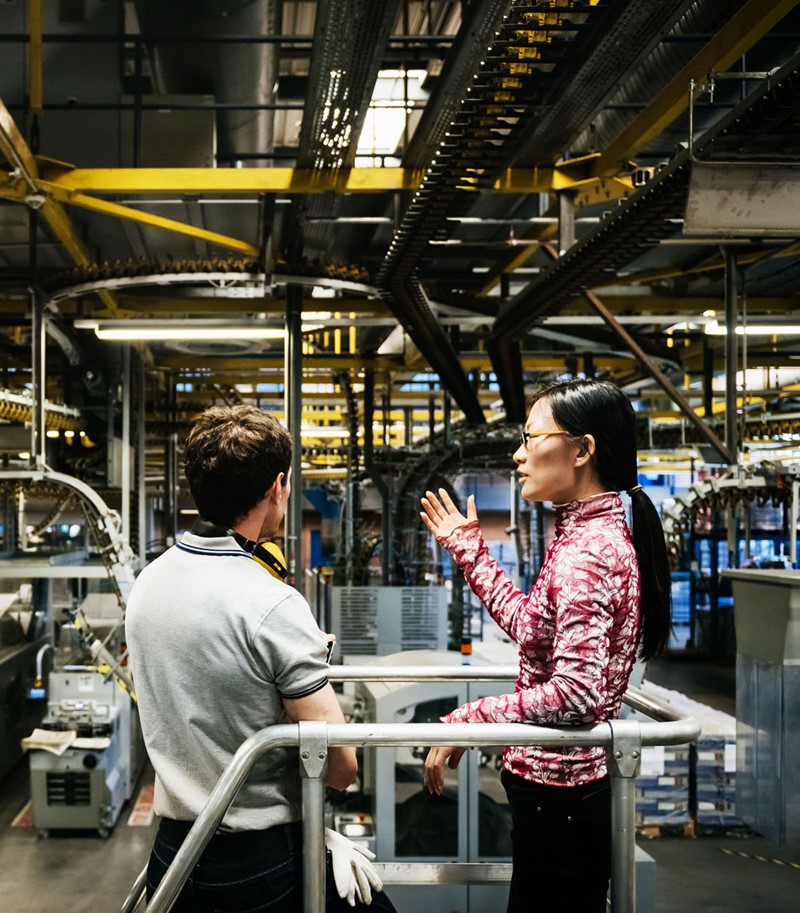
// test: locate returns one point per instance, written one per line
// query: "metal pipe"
(38, 372)
(730, 355)
(125, 511)
(624, 758)
(136, 893)
(624, 737)
(658, 375)
(293, 392)
(141, 487)
(443, 41)
(377, 479)
(40, 658)
(359, 735)
(313, 750)
(793, 522)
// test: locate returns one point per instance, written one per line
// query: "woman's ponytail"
(651, 550)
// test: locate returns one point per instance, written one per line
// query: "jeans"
(270, 881)
(561, 846)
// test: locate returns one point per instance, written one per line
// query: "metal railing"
(622, 739)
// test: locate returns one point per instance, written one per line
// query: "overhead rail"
(772, 108)
(622, 739)
(17, 407)
(506, 81)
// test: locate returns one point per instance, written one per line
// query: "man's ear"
(275, 490)
(586, 450)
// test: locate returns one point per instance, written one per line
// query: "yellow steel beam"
(249, 365)
(739, 34)
(577, 173)
(231, 180)
(400, 398)
(546, 362)
(106, 207)
(35, 56)
(16, 151)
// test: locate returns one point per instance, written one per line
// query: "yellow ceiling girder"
(737, 36)
(269, 362)
(16, 151)
(231, 180)
(575, 173)
(567, 174)
(399, 398)
(106, 207)
(248, 365)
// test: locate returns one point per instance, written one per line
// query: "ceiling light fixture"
(157, 330)
(713, 328)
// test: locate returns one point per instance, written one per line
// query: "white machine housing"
(87, 785)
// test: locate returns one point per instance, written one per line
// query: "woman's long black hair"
(601, 409)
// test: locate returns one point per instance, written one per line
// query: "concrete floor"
(77, 872)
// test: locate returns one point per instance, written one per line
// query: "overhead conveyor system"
(772, 108)
(523, 126)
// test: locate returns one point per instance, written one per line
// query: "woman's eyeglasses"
(525, 436)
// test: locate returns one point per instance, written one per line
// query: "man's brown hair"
(232, 455)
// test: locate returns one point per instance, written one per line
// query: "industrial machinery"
(396, 817)
(68, 568)
(23, 634)
(86, 785)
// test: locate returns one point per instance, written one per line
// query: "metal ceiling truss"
(25, 175)
(514, 75)
(350, 40)
(635, 225)
(617, 42)
(481, 19)
(736, 36)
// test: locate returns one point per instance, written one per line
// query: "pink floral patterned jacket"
(577, 631)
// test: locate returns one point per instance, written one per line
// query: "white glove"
(353, 873)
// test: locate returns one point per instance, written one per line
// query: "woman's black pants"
(561, 845)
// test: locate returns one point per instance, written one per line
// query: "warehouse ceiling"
(469, 199)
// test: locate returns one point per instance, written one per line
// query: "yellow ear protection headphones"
(267, 554)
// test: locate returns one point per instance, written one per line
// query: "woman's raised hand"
(442, 517)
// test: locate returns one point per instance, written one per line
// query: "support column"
(38, 379)
(141, 485)
(731, 317)
(171, 465)
(566, 220)
(127, 469)
(38, 344)
(293, 400)
(708, 380)
(624, 756)
(377, 479)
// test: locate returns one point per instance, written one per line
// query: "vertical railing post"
(624, 757)
(313, 755)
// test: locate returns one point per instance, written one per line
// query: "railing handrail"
(622, 740)
(636, 698)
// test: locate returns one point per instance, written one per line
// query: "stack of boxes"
(669, 774)
(716, 773)
(662, 787)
